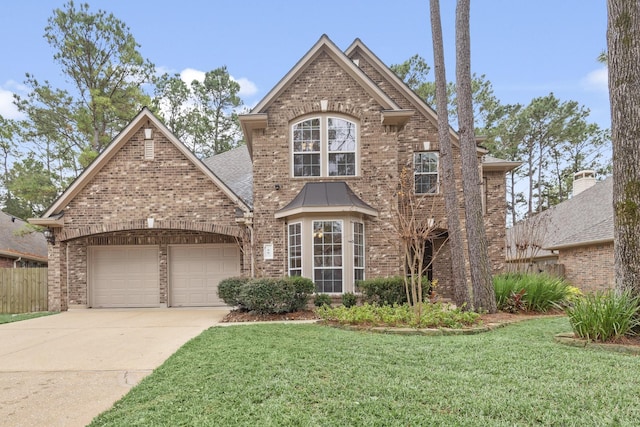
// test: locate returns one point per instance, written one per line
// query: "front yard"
(307, 375)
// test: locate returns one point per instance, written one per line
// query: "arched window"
(324, 146)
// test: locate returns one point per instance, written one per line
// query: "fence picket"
(23, 290)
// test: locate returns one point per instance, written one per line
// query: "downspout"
(16, 262)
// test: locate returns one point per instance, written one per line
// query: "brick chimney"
(583, 180)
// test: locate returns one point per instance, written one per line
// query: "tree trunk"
(460, 289)
(483, 293)
(623, 45)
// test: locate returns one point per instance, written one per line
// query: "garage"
(124, 276)
(196, 270)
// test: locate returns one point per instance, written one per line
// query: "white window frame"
(290, 246)
(356, 257)
(314, 231)
(325, 153)
(435, 173)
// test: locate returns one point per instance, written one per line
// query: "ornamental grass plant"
(530, 292)
(604, 316)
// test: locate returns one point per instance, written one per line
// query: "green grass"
(8, 318)
(312, 375)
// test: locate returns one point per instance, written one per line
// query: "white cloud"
(597, 80)
(189, 74)
(7, 109)
(247, 87)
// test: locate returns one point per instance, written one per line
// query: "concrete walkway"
(64, 369)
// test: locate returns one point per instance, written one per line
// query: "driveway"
(64, 369)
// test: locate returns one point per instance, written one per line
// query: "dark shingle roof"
(16, 241)
(318, 196)
(234, 168)
(584, 219)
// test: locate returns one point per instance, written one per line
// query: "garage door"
(194, 273)
(123, 276)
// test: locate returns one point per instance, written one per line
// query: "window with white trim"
(425, 172)
(327, 256)
(329, 251)
(324, 146)
(295, 249)
(358, 251)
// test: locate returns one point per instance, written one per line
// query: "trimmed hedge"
(265, 295)
(383, 290)
(229, 290)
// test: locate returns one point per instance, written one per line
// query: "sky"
(526, 48)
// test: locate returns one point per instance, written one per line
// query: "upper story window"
(425, 172)
(324, 146)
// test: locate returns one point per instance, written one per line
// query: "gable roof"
(52, 216)
(16, 243)
(257, 119)
(318, 197)
(359, 47)
(585, 219)
(234, 168)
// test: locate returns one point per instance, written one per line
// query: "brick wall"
(590, 268)
(124, 193)
(383, 152)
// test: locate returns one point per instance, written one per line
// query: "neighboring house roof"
(51, 216)
(235, 169)
(585, 219)
(325, 197)
(18, 242)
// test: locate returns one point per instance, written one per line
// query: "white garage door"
(195, 271)
(123, 276)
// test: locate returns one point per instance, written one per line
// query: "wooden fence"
(23, 290)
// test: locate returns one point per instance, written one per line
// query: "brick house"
(575, 237)
(311, 193)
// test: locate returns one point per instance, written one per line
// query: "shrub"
(433, 315)
(229, 290)
(349, 299)
(322, 300)
(383, 290)
(390, 290)
(270, 296)
(537, 292)
(604, 316)
(303, 288)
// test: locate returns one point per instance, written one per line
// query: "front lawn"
(8, 318)
(311, 375)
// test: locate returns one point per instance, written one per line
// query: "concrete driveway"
(64, 369)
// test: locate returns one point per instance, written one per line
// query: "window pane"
(426, 172)
(342, 164)
(306, 165)
(358, 251)
(295, 249)
(327, 259)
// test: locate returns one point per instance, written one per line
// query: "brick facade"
(382, 154)
(113, 207)
(188, 206)
(589, 268)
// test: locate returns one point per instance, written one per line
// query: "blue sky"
(526, 48)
